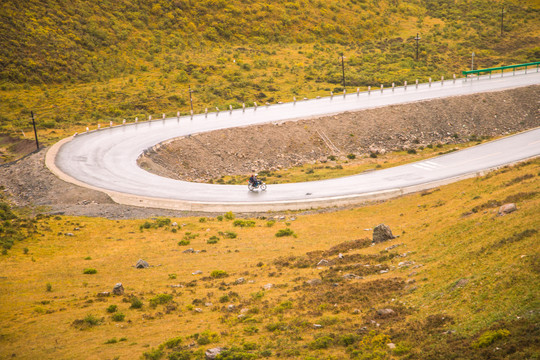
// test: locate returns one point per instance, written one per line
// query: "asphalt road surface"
(106, 159)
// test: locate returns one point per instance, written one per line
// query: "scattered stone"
(405, 264)
(239, 281)
(448, 332)
(241, 316)
(352, 276)
(507, 209)
(383, 271)
(323, 262)
(188, 251)
(385, 312)
(391, 345)
(313, 282)
(103, 294)
(174, 224)
(268, 286)
(69, 234)
(177, 286)
(208, 304)
(382, 233)
(118, 289)
(198, 272)
(317, 326)
(244, 310)
(413, 273)
(213, 353)
(340, 255)
(199, 310)
(356, 311)
(461, 283)
(141, 264)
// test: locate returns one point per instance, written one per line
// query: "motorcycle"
(258, 185)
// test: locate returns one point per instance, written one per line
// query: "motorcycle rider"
(253, 180)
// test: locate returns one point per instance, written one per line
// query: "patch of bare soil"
(12, 148)
(206, 156)
(28, 182)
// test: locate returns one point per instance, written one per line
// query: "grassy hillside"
(461, 282)
(79, 63)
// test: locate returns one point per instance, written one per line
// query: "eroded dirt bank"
(205, 156)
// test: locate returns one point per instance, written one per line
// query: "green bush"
(228, 215)
(489, 337)
(90, 271)
(118, 317)
(217, 274)
(136, 303)
(270, 223)
(184, 242)
(244, 223)
(154, 354)
(351, 156)
(160, 299)
(284, 232)
(171, 343)
(213, 240)
(219, 218)
(324, 342)
(48, 287)
(112, 308)
(207, 337)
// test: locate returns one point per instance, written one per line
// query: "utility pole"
(35, 131)
(502, 20)
(343, 69)
(190, 98)
(417, 38)
(472, 61)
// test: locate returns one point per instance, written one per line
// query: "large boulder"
(507, 209)
(141, 264)
(382, 233)
(213, 353)
(118, 289)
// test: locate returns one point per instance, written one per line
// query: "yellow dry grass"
(438, 231)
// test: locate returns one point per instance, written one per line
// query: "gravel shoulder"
(28, 183)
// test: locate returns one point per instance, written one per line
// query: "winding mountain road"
(106, 159)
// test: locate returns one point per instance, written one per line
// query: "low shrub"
(351, 156)
(489, 337)
(184, 242)
(244, 223)
(89, 271)
(217, 274)
(207, 337)
(136, 303)
(112, 308)
(118, 317)
(229, 215)
(284, 232)
(160, 299)
(212, 240)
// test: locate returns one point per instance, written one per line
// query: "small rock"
(103, 294)
(351, 276)
(413, 273)
(198, 272)
(405, 264)
(314, 282)
(382, 233)
(340, 255)
(141, 264)
(231, 307)
(239, 281)
(461, 283)
(268, 286)
(188, 251)
(385, 312)
(199, 310)
(244, 310)
(317, 326)
(118, 289)
(69, 234)
(383, 271)
(174, 224)
(356, 311)
(208, 304)
(507, 209)
(213, 353)
(241, 316)
(323, 262)
(391, 345)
